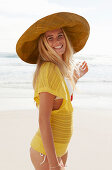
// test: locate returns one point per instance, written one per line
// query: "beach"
(90, 147)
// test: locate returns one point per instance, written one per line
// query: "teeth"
(58, 46)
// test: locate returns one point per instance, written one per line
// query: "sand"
(90, 147)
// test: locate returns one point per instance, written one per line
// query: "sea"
(93, 90)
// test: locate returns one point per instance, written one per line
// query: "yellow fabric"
(51, 80)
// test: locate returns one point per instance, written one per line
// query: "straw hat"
(75, 26)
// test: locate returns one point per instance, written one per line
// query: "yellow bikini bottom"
(37, 145)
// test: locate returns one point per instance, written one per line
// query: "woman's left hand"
(83, 69)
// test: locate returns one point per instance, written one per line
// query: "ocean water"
(93, 90)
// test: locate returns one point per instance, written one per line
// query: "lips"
(58, 47)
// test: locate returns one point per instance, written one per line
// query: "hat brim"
(76, 27)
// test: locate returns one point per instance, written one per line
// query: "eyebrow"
(52, 35)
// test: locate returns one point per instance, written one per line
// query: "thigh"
(37, 158)
(64, 158)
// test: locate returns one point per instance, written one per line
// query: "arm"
(45, 108)
(83, 69)
(75, 79)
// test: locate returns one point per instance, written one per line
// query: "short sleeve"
(50, 80)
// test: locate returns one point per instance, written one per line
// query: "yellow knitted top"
(51, 80)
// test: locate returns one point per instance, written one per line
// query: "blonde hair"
(46, 53)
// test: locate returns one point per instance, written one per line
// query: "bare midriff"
(57, 104)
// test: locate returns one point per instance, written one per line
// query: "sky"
(18, 15)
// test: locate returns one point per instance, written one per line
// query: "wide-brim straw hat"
(76, 27)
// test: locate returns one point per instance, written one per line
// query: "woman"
(50, 44)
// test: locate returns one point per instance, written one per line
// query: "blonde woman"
(49, 43)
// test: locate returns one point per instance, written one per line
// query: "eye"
(60, 35)
(50, 38)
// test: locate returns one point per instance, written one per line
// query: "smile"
(58, 47)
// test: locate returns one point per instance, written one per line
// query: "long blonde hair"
(46, 53)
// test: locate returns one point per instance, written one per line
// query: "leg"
(64, 158)
(40, 161)
(37, 158)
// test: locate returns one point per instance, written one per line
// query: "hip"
(37, 144)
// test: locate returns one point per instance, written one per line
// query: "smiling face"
(56, 40)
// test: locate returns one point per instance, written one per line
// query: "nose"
(56, 42)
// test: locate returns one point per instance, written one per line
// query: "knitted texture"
(51, 80)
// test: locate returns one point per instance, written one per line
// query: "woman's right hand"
(60, 167)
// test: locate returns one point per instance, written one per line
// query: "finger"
(83, 65)
(83, 61)
(84, 68)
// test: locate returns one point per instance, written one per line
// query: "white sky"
(17, 15)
